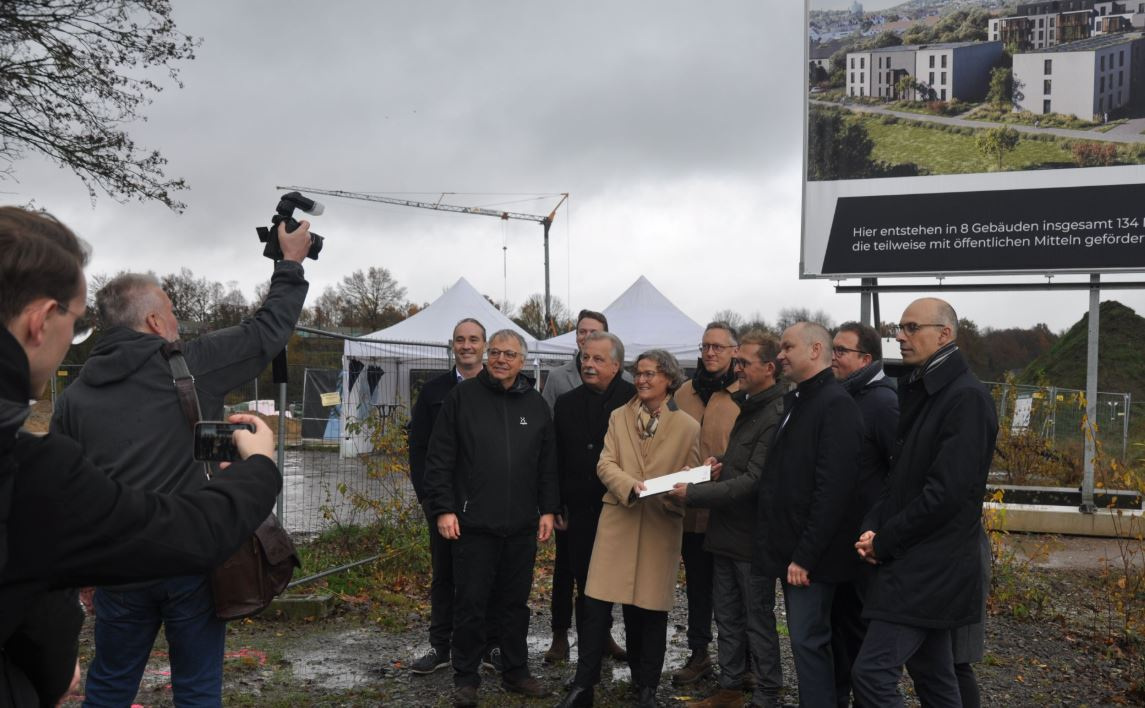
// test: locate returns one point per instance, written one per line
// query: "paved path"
(1128, 132)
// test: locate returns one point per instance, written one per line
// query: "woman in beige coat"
(637, 548)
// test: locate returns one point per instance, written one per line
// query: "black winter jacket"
(878, 401)
(733, 497)
(69, 525)
(807, 485)
(124, 410)
(929, 519)
(420, 428)
(581, 420)
(492, 457)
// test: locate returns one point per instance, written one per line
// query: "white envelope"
(659, 485)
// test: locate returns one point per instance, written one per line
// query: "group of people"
(853, 486)
(112, 497)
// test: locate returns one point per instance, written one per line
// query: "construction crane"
(544, 221)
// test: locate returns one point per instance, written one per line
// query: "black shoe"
(492, 660)
(647, 697)
(526, 686)
(465, 697)
(431, 661)
(577, 697)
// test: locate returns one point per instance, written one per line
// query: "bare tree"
(73, 73)
(371, 299)
(531, 317)
(790, 315)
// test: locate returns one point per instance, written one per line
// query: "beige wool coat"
(637, 549)
(716, 421)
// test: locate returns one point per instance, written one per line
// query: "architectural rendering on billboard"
(959, 138)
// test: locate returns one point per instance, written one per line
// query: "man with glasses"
(923, 535)
(805, 523)
(127, 415)
(491, 487)
(744, 603)
(707, 397)
(561, 381)
(468, 345)
(857, 362)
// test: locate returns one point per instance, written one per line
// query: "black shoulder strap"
(185, 387)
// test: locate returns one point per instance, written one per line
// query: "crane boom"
(545, 221)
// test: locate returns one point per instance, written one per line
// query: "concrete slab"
(1039, 518)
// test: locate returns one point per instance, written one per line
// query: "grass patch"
(994, 114)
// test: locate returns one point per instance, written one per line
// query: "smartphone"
(214, 441)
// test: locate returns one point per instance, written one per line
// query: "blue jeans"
(126, 623)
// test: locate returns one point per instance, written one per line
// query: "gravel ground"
(1059, 657)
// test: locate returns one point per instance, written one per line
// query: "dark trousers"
(809, 624)
(926, 653)
(562, 598)
(441, 595)
(581, 536)
(698, 575)
(847, 631)
(645, 639)
(497, 572)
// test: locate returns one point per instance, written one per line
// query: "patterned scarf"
(647, 421)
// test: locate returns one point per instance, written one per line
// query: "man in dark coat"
(491, 485)
(580, 421)
(805, 504)
(127, 416)
(468, 344)
(923, 535)
(857, 362)
(744, 602)
(63, 523)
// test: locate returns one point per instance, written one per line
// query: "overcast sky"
(676, 126)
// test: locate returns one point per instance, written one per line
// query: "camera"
(285, 213)
(214, 440)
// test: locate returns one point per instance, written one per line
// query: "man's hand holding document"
(665, 483)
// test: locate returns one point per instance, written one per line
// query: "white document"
(659, 485)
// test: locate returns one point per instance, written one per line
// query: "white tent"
(644, 319)
(380, 364)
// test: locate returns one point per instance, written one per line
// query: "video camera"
(285, 213)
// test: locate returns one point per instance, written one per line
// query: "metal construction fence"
(344, 441)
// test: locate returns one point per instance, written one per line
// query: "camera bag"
(247, 582)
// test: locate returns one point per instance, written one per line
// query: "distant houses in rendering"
(1091, 77)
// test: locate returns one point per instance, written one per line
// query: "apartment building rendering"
(1089, 78)
(955, 70)
(1048, 23)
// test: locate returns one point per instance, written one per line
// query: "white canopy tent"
(379, 365)
(644, 319)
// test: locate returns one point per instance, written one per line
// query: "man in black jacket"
(805, 504)
(923, 535)
(468, 343)
(580, 421)
(491, 481)
(857, 362)
(62, 522)
(126, 414)
(744, 602)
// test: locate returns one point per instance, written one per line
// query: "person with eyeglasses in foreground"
(707, 397)
(857, 362)
(491, 486)
(63, 522)
(748, 638)
(924, 534)
(636, 553)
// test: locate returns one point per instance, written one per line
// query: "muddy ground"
(1057, 655)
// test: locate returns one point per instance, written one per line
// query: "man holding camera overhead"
(125, 412)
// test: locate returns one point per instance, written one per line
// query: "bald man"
(924, 534)
(807, 513)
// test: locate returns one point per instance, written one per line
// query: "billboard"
(938, 142)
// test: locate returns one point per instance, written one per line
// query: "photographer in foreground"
(62, 522)
(126, 414)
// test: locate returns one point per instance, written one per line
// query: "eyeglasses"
(717, 348)
(842, 351)
(744, 363)
(81, 328)
(646, 375)
(506, 354)
(908, 328)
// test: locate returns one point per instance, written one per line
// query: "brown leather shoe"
(527, 686)
(558, 650)
(724, 698)
(614, 650)
(465, 696)
(698, 666)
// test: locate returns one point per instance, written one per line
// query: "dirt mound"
(40, 418)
